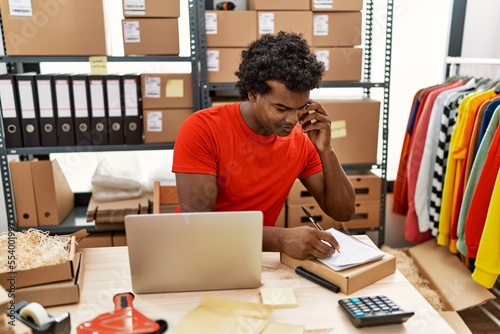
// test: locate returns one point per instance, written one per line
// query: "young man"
(246, 156)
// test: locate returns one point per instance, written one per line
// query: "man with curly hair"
(246, 156)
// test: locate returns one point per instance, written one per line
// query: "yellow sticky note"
(278, 297)
(98, 65)
(339, 129)
(279, 328)
(174, 88)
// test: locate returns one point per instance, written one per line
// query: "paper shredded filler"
(32, 249)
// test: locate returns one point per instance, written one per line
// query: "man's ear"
(252, 96)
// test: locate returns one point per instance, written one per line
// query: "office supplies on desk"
(315, 223)
(194, 251)
(316, 279)
(354, 252)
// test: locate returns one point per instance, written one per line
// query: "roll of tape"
(35, 313)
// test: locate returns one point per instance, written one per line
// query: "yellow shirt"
(487, 265)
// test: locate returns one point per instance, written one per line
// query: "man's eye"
(282, 109)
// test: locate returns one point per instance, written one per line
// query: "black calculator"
(373, 310)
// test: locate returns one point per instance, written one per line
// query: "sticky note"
(174, 88)
(279, 328)
(98, 65)
(278, 297)
(339, 129)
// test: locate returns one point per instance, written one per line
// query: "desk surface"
(107, 273)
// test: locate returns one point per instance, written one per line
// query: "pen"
(316, 279)
(315, 223)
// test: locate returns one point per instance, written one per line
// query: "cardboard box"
(448, 276)
(162, 90)
(96, 239)
(222, 63)
(352, 279)
(53, 195)
(24, 193)
(341, 64)
(355, 126)
(48, 274)
(141, 36)
(281, 221)
(151, 8)
(59, 293)
(337, 5)
(337, 29)
(56, 28)
(296, 216)
(114, 212)
(119, 239)
(224, 28)
(162, 125)
(279, 4)
(366, 214)
(290, 21)
(367, 185)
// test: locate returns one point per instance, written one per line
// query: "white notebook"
(353, 252)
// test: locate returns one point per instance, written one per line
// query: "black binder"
(10, 111)
(64, 113)
(98, 117)
(133, 109)
(80, 106)
(46, 109)
(28, 109)
(115, 109)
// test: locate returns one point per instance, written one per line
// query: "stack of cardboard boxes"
(151, 27)
(333, 30)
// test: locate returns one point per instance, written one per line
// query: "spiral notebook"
(353, 252)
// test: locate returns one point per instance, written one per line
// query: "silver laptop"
(195, 251)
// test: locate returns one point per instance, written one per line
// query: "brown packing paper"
(215, 315)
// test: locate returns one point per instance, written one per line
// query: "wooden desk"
(107, 273)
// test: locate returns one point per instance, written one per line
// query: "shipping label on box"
(224, 28)
(163, 125)
(151, 8)
(341, 63)
(140, 36)
(337, 5)
(166, 90)
(222, 63)
(331, 29)
(299, 22)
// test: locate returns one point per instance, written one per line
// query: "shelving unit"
(366, 84)
(201, 99)
(76, 219)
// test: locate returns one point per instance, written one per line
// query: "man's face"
(279, 111)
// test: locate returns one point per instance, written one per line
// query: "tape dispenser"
(36, 317)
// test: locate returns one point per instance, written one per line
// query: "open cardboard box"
(48, 274)
(449, 277)
(352, 279)
(57, 293)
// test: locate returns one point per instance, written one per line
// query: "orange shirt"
(254, 172)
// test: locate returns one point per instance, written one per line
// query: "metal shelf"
(229, 86)
(88, 148)
(61, 59)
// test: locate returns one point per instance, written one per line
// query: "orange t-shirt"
(254, 172)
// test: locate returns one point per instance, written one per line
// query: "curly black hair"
(284, 57)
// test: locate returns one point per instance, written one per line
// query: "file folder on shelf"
(115, 110)
(98, 121)
(80, 107)
(46, 109)
(28, 109)
(133, 111)
(10, 116)
(64, 114)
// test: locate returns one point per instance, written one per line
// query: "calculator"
(373, 310)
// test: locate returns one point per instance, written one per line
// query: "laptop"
(196, 251)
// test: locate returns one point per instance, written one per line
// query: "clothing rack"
(455, 62)
(454, 69)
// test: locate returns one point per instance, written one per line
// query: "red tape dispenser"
(125, 319)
